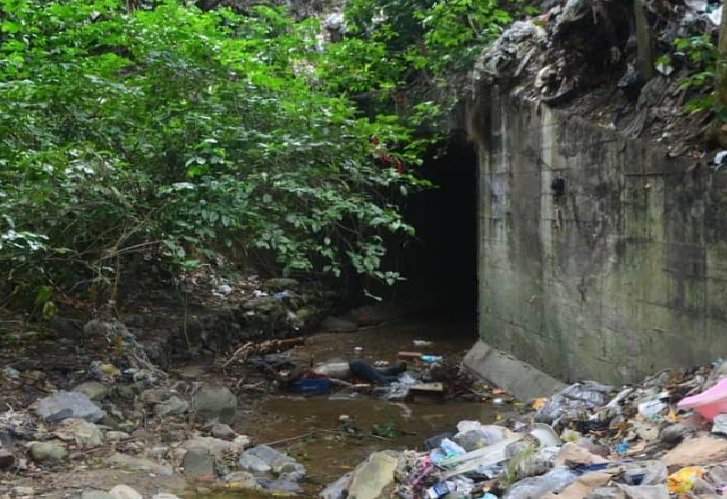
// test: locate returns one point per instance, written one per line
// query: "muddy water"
(330, 453)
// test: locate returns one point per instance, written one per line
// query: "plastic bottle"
(431, 358)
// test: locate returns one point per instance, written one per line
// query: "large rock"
(67, 405)
(93, 390)
(51, 451)
(199, 465)
(215, 402)
(133, 463)
(371, 478)
(124, 492)
(82, 433)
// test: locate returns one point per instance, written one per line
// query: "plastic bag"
(474, 435)
(682, 481)
(536, 487)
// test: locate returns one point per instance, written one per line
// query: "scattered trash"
(358, 349)
(423, 343)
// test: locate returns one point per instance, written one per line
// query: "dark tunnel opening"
(441, 264)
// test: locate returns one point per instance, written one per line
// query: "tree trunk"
(644, 56)
(721, 83)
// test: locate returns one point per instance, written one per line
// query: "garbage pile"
(577, 47)
(664, 438)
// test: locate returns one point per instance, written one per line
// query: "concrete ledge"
(518, 378)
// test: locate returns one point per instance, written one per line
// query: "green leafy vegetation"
(172, 134)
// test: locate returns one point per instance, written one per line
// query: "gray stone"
(96, 494)
(518, 378)
(371, 478)
(673, 434)
(254, 464)
(158, 451)
(260, 458)
(66, 405)
(199, 465)
(338, 489)
(117, 436)
(125, 391)
(170, 407)
(7, 460)
(10, 373)
(124, 492)
(21, 491)
(133, 463)
(50, 451)
(93, 390)
(216, 446)
(82, 433)
(223, 431)
(242, 480)
(215, 402)
(280, 487)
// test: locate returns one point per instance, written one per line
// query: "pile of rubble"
(582, 54)
(664, 438)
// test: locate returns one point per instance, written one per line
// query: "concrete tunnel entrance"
(441, 265)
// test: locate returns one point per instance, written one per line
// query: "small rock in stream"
(52, 450)
(215, 402)
(223, 431)
(263, 458)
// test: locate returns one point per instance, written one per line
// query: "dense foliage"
(177, 133)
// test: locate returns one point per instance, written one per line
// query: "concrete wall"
(623, 274)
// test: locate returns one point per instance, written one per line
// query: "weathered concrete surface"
(517, 377)
(600, 257)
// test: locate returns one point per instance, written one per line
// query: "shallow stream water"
(330, 453)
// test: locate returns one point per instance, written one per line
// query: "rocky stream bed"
(88, 411)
